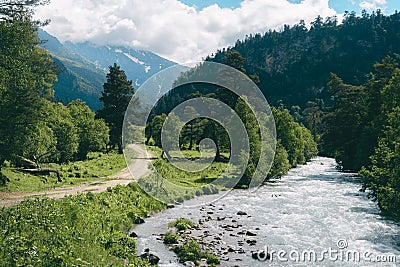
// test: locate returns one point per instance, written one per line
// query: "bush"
(171, 238)
(182, 224)
(211, 259)
(191, 251)
(3, 179)
(81, 230)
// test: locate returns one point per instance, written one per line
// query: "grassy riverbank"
(179, 185)
(84, 230)
(98, 166)
(90, 229)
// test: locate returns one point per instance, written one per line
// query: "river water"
(314, 216)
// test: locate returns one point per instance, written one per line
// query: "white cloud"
(171, 28)
(373, 5)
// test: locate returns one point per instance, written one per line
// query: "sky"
(186, 30)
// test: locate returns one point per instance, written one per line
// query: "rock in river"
(261, 255)
(151, 258)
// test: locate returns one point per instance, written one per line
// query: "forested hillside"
(78, 78)
(334, 84)
(82, 67)
(294, 64)
(341, 81)
(362, 130)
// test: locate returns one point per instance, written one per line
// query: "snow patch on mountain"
(147, 69)
(134, 59)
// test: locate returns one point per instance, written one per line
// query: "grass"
(170, 184)
(92, 229)
(98, 166)
(171, 238)
(83, 230)
(184, 178)
(188, 250)
(191, 251)
(182, 224)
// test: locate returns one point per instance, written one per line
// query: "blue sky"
(338, 5)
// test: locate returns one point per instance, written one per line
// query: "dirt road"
(124, 177)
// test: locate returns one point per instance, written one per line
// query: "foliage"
(88, 229)
(357, 117)
(171, 238)
(153, 129)
(15, 9)
(294, 138)
(297, 144)
(191, 251)
(97, 166)
(294, 64)
(182, 224)
(116, 96)
(212, 259)
(362, 131)
(281, 164)
(26, 74)
(32, 126)
(93, 133)
(59, 119)
(382, 175)
(253, 132)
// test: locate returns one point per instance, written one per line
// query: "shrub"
(191, 251)
(171, 238)
(211, 259)
(182, 224)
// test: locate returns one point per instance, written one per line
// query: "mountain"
(77, 77)
(138, 65)
(83, 67)
(294, 64)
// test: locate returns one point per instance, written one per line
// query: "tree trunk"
(43, 171)
(27, 163)
(120, 148)
(3, 179)
(148, 140)
(166, 153)
(191, 137)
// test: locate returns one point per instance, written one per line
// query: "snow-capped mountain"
(83, 67)
(138, 65)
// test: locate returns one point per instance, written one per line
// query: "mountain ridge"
(83, 67)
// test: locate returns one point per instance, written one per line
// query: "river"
(314, 216)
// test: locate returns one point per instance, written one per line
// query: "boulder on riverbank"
(261, 255)
(151, 258)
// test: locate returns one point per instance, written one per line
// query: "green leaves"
(363, 132)
(383, 176)
(116, 96)
(74, 231)
(26, 73)
(93, 133)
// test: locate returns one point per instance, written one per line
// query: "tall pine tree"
(117, 93)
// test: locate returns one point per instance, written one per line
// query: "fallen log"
(27, 163)
(45, 171)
